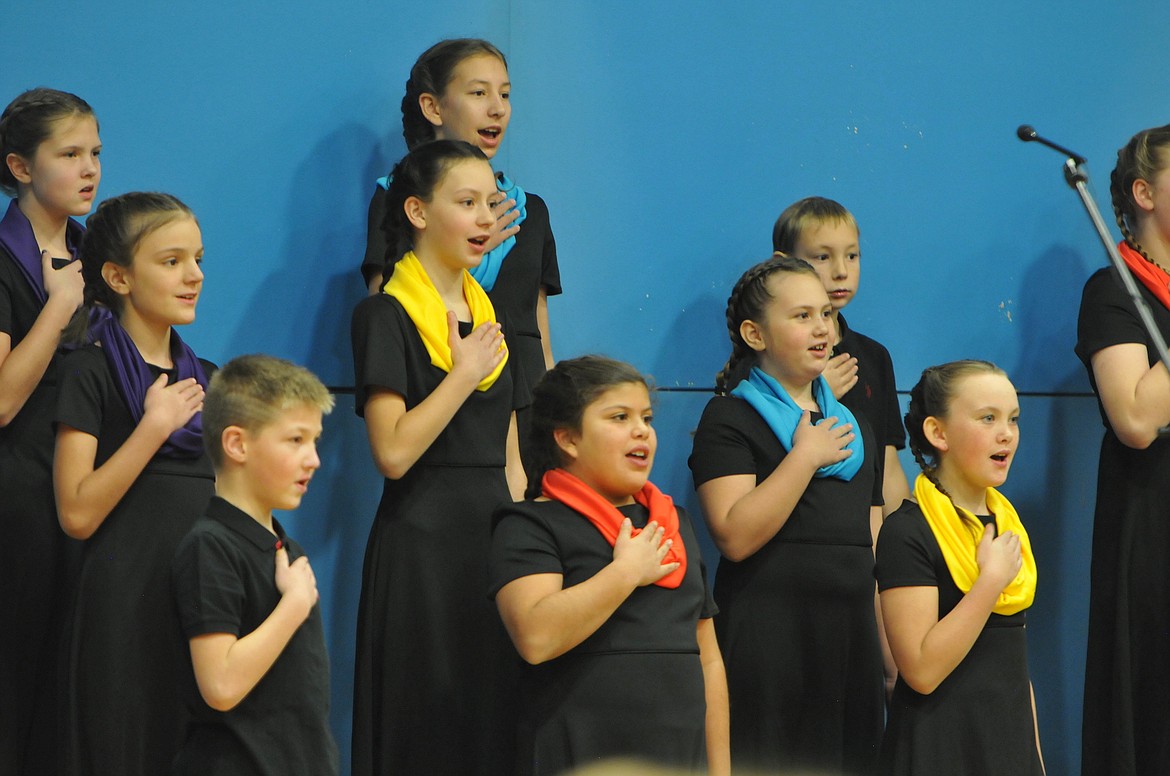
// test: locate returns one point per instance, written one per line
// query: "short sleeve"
(722, 446)
(895, 433)
(1107, 316)
(379, 348)
(83, 391)
(550, 271)
(375, 258)
(904, 551)
(695, 554)
(208, 592)
(522, 545)
(7, 316)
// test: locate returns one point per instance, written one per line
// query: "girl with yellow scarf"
(956, 575)
(433, 386)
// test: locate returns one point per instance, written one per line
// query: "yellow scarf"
(414, 290)
(958, 539)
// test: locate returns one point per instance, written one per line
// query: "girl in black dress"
(789, 482)
(131, 477)
(602, 588)
(50, 150)
(956, 574)
(434, 673)
(1127, 677)
(459, 89)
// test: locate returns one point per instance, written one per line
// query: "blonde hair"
(805, 213)
(252, 391)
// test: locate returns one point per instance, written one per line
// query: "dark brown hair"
(431, 73)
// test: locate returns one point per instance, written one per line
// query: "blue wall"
(666, 138)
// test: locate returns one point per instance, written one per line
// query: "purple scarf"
(16, 235)
(133, 377)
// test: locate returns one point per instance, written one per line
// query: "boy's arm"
(228, 667)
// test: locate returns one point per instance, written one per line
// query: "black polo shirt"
(224, 582)
(874, 395)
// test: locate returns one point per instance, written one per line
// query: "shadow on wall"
(316, 278)
(1046, 315)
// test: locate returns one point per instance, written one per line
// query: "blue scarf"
(489, 268)
(767, 397)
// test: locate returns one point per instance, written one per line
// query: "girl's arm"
(227, 667)
(398, 437)
(895, 487)
(1136, 396)
(542, 327)
(927, 649)
(85, 495)
(22, 367)
(1036, 725)
(889, 668)
(743, 516)
(715, 689)
(514, 468)
(546, 620)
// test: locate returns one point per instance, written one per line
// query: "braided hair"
(417, 174)
(113, 233)
(28, 121)
(804, 213)
(1145, 155)
(932, 397)
(431, 73)
(748, 302)
(559, 400)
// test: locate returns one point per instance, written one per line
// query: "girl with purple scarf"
(131, 477)
(49, 164)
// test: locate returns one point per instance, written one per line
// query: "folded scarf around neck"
(18, 238)
(958, 534)
(133, 377)
(488, 271)
(767, 397)
(1150, 274)
(413, 289)
(570, 490)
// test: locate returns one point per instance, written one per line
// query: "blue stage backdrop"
(666, 138)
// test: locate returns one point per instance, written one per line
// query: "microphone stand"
(1077, 178)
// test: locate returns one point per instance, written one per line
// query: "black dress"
(530, 266)
(635, 687)
(435, 673)
(1127, 674)
(796, 620)
(126, 654)
(979, 719)
(35, 579)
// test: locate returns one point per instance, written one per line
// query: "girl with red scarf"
(599, 581)
(1127, 676)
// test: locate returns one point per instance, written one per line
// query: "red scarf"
(568, 489)
(1152, 276)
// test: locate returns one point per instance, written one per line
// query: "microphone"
(1027, 133)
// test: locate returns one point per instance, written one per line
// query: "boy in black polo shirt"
(247, 598)
(860, 373)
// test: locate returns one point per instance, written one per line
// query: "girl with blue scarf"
(460, 89)
(790, 485)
